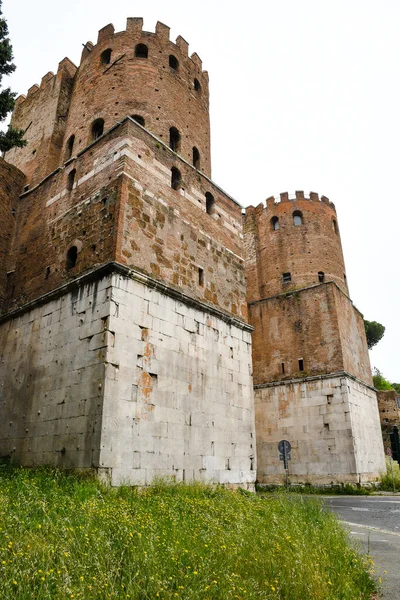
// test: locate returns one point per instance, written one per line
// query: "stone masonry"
(325, 419)
(116, 374)
(135, 298)
(389, 411)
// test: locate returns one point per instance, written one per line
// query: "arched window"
(210, 203)
(97, 129)
(72, 256)
(141, 51)
(174, 139)
(196, 85)
(275, 223)
(297, 218)
(105, 57)
(196, 158)
(321, 276)
(70, 146)
(173, 62)
(71, 179)
(139, 119)
(335, 226)
(176, 178)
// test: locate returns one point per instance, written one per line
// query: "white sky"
(305, 95)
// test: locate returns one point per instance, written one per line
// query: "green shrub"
(380, 382)
(387, 479)
(63, 536)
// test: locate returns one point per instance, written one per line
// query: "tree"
(379, 380)
(374, 332)
(12, 137)
(396, 386)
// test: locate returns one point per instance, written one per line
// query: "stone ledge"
(151, 135)
(261, 386)
(116, 268)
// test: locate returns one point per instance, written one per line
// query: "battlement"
(131, 73)
(134, 27)
(299, 196)
(66, 66)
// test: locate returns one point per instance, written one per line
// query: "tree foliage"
(12, 137)
(396, 386)
(380, 382)
(374, 332)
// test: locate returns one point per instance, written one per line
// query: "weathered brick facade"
(110, 88)
(11, 185)
(389, 411)
(125, 296)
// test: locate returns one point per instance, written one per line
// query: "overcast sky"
(305, 95)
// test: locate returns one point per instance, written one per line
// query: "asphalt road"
(375, 522)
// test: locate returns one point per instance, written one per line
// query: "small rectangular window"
(301, 364)
(283, 368)
(286, 277)
(201, 276)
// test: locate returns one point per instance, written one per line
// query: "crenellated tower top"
(133, 73)
(293, 241)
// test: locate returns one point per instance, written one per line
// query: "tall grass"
(346, 489)
(387, 478)
(63, 536)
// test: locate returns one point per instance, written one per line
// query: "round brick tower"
(146, 76)
(297, 244)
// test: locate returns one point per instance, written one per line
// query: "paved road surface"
(375, 521)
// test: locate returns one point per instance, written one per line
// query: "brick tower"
(123, 336)
(124, 341)
(312, 377)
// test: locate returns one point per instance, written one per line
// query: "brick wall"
(389, 413)
(318, 325)
(11, 185)
(302, 325)
(122, 207)
(43, 114)
(389, 410)
(353, 339)
(304, 251)
(66, 104)
(148, 87)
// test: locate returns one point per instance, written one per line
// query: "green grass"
(64, 536)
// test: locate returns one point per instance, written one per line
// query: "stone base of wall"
(120, 374)
(332, 423)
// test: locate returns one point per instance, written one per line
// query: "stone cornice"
(116, 268)
(261, 386)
